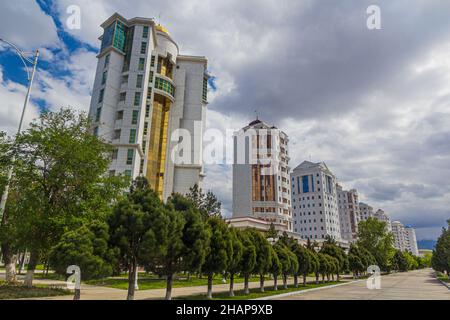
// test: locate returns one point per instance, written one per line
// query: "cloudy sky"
(374, 105)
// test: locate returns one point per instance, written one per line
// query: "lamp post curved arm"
(34, 62)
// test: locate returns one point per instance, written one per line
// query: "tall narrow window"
(134, 119)
(305, 184)
(147, 111)
(98, 114)
(122, 96)
(107, 57)
(145, 128)
(100, 96)
(104, 77)
(130, 156)
(141, 64)
(145, 32)
(137, 98)
(132, 136)
(139, 80)
(120, 115)
(153, 61)
(115, 154)
(143, 47)
(150, 80)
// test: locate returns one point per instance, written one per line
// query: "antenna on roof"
(257, 116)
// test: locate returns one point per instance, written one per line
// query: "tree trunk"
(332, 277)
(304, 279)
(323, 278)
(169, 287)
(232, 285)
(246, 289)
(22, 261)
(285, 281)
(328, 277)
(210, 281)
(132, 280)
(261, 282)
(10, 263)
(337, 277)
(275, 282)
(317, 278)
(34, 259)
(296, 280)
(188, 276)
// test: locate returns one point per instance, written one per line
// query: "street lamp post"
(34, 62)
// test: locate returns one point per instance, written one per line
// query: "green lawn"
(147, 282)
(21, 292)
(255, 293)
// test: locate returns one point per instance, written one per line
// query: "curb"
(444, 283)
(307, 290)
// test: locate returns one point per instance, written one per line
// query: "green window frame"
(141, 64)
(139, 80)
(132, 136)
(130, 156)
(143, 47)
(98, 114)
(137, 98)
(145, 32)
(135, 117)
(165, 86)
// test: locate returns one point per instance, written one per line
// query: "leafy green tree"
(248, 260)
(440, 260)
(263, 258)
(374, 237)
(272, 232)
(219, 250)
(355, 265)
(324, 265)
(59, 182)
(399, 261)
(235, 259)
(315, 263)
(139, 228)
(304, 263)
(207, 203)
(275, 268)
(331, 248)
(186, 244)
(86, 247)
(285, 260)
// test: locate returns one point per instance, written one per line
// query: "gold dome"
(162, 29)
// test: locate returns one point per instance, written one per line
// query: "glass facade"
(156, 159)
(165, 86)
(305, 184)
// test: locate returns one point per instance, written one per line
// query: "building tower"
(380, 215)
(144, 91)
(261, 186)
(349, 214)
(410, 234)
(366, 211)
(314, 200)
(400, 241)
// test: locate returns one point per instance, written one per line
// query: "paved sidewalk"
(89, 292)
(413, 285)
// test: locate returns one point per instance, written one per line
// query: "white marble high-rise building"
(382, 216)
(349, 213)
(404, 238)
(314, 201)
(144, 91)
(366, 211)
(261, 187)
(410, 235)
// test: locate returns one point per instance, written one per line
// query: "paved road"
(414, 285)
